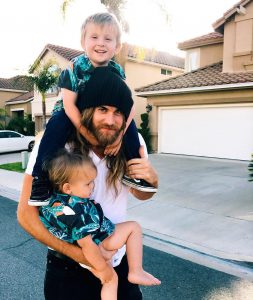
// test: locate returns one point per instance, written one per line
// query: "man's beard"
(103, 138)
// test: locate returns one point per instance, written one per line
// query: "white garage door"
(215, 131)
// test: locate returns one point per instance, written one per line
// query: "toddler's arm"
(93, 254)
(69, 103)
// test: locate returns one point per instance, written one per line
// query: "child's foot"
(41, 192)
(138, 184)
(143, 278)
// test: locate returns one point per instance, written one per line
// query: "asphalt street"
(23, 264)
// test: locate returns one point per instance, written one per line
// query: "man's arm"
(28, 218)
(141, 168)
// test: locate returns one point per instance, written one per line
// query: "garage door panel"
(223, 132)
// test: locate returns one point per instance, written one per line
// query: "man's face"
(107, 123)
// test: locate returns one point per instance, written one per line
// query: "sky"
(26, 26)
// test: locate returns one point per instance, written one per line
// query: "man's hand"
(141, 168)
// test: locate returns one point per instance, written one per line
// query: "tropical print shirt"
(71, 218)
(75, 76)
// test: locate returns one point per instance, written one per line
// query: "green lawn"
(16, 167)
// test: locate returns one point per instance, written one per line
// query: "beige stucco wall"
(238, 42)
(21, 106)
(140, 74)
(210, 54)
(7, 95)
(215, 97)
(51, 99)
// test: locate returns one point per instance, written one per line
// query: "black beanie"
(105, 87)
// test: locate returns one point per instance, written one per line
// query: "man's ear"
(66, 188)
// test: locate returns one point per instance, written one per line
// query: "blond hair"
(102, 19)
(66, 165)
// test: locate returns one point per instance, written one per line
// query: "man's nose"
(109, 119)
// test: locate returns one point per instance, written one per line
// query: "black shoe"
(138, 184)
(41, 192)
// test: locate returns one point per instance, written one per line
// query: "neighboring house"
(208, 111)
(11, 88)
(142, 66)
(20, 105)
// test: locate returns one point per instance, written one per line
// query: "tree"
(2, 118)
(45, 76)
(22, 125)
(145, 131)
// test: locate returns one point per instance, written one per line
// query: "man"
(105, 119)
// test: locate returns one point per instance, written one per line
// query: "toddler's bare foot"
(143, 278)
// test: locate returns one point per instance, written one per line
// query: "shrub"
(145, 131)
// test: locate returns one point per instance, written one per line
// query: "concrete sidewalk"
(205, 205)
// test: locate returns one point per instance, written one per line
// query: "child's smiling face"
(100, 43)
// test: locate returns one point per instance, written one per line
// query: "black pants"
(66, 280)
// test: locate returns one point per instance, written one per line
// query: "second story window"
(192, 60)
(166, 72)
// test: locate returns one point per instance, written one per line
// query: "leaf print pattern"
(88, 218)
(75, 78)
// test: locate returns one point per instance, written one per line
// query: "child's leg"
(109, 289)
(55, 136)
(130, 233)
(131, 147)
(131, 142)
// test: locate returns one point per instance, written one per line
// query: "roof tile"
(207, 39)
(206, 76)
(22, 97)
(16, 83)
(149, 55)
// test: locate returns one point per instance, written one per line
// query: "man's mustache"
(106, 126)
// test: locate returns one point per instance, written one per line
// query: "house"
(10, 89)
(208, 111)
(20, 105)
(142, 66)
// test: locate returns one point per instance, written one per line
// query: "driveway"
(202, 204)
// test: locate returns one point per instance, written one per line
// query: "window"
(18, 114)
(10, 134)
(166, 72)
(192, 60)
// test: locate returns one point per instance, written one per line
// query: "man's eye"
(94, 36)
(118, 113)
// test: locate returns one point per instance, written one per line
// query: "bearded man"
(106, 104)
